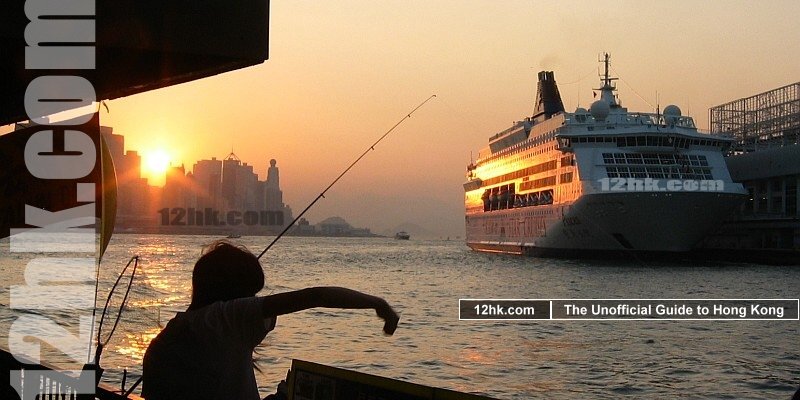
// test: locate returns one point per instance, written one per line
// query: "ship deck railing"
(41, 380)
(633, 118)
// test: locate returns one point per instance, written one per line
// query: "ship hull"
(604, 224)
(597, 182)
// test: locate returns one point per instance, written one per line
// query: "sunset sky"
(340, 73)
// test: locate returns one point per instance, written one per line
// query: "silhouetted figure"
(207, 351)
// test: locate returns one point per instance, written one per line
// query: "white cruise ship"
(603, 179)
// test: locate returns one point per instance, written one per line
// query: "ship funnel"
(548, 100)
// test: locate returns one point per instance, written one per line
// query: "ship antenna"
(606, 74)
(658, 106)
(321, 195)
(607, 89)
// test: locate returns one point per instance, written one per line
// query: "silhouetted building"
(334, 226)
(230, 167)
(304, 228)
(179, 188)
(239, 184)
(246, 188)
(273, 195)
(337, 226)
(208, 178)
(188, 198)
(132, 189)
(115, 143)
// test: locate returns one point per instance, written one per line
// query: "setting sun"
(154, 165)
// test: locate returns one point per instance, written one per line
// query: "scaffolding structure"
(766, 120)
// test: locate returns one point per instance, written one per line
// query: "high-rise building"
(272, 188)
(208, 178)
(246, 188)
(115, 142)
(230, 169)
(239, 184)
(178, 188)
(131, 187)
(211, 186)
(273, 195)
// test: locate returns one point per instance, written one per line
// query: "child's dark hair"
(225, 272)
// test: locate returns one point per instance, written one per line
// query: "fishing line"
(94, 309)
(321, 195)
(135, 259)
(102, 344)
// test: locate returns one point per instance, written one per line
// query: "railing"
(29, 380)
(640, 118)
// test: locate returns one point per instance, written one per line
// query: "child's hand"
(389, 316)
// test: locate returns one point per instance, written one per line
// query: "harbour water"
(501, 359)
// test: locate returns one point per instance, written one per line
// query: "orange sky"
(341, 73)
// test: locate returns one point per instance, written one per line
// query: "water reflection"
(133, 346)
(507, 360)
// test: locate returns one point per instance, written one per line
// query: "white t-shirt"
(207, 353)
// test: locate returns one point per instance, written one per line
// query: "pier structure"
(765, 158)
(760, 122)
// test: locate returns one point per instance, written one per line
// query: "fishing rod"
(322, 194)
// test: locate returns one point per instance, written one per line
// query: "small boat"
(233, 236)
(402, 235)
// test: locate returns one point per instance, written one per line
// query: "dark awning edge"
(143, 45)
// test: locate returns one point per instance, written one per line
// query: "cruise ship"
(598, 180)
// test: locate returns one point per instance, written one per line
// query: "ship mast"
(608, 88)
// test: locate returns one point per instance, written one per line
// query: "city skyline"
(196, 200)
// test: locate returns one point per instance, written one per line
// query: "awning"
(143, 45)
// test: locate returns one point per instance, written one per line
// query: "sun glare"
(154, 165)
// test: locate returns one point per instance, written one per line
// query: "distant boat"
(233, 236)
(402, 235)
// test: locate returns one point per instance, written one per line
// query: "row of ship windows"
(511, 160)
(535, 169)
(543, 138)
(538, 152)
(666, 141)
(654, 159)
(565, 161)
(685, 172)
(546, 181)
(536, 212)
(537, 183)
(526, 145)
(503, 197)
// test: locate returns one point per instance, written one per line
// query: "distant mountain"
(412, 229)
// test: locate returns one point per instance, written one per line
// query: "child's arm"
(329, 297)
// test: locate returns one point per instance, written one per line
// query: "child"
(207, 351)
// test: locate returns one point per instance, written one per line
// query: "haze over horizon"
(341, 73)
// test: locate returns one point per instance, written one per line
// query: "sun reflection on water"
(424, 280)
(134, 344)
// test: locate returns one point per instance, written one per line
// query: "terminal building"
(765, 158)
